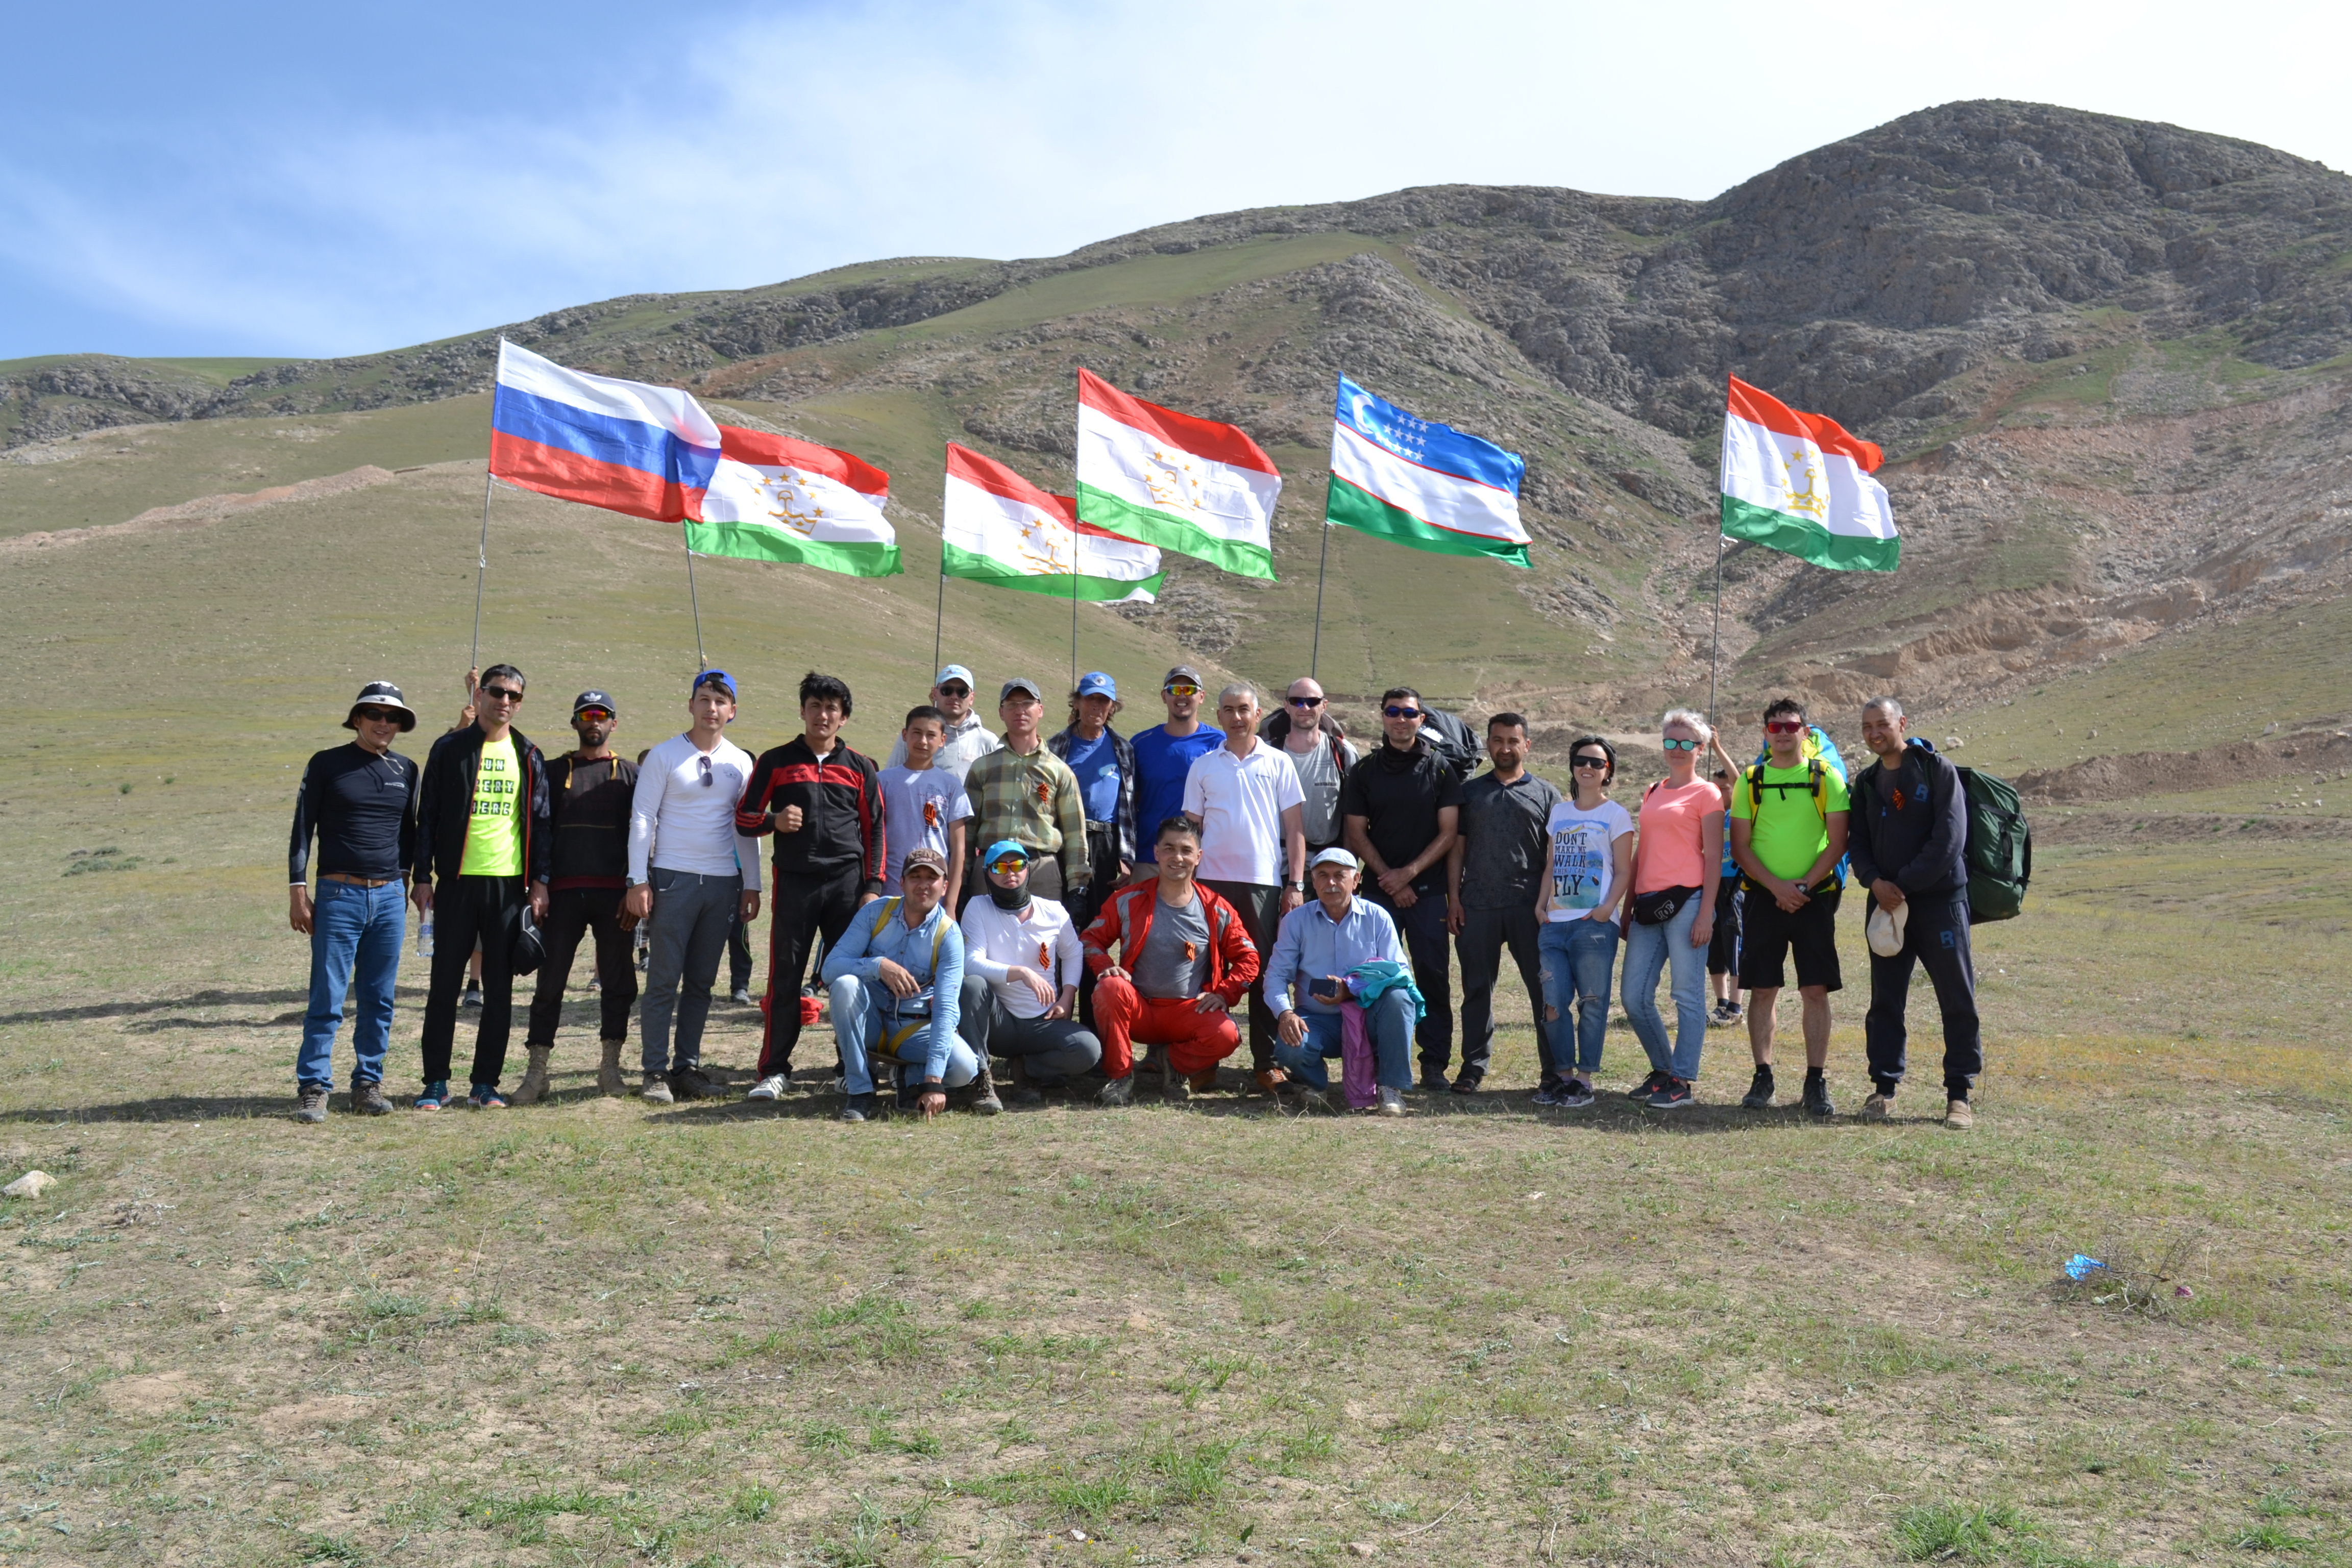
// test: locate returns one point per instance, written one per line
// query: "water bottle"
(424, 936)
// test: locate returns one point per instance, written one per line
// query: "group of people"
(995, 914)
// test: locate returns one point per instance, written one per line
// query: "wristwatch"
(1296, 887)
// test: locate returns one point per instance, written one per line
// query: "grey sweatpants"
(692, 917)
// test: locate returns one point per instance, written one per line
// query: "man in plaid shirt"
(1026, 792)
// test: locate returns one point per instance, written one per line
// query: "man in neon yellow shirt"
(482, 834)
(1788, 832)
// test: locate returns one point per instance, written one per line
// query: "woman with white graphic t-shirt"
(1591, 843)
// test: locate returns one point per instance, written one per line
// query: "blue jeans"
(1648, 950)
(1577, 958)
(860, 1025)
(355, 937)
(1389, 1024)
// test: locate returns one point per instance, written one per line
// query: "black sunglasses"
(376, 716)
(705, 760)
(504, 693)
(1307, 702)
(1401, 712)
(955, 690)
(1589, 760)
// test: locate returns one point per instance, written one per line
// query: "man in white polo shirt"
(1246, 800)
(689, 875)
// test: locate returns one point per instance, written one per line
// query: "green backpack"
(2000, 854)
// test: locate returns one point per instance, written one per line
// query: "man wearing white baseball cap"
(1314, 949)
(969, 738)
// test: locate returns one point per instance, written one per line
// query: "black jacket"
(1916, 835)
(445, 804)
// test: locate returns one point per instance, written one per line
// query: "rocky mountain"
(2111, 362)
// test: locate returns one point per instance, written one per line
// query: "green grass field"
(592, 1333)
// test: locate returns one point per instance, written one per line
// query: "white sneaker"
(1391, 1102)
(769, 1087)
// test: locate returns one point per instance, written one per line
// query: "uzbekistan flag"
(1189, 485)
(623, 446)
(996, 527)
(1798, 483)
(775, 499)
(1422, 483)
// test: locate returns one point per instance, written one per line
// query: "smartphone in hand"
(1329, 988)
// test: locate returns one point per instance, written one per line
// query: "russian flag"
(647, 451)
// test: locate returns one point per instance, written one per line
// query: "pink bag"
(1359, 1075)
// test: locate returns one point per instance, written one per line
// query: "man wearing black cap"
(481, 835)
(589, 792)
(360, 800)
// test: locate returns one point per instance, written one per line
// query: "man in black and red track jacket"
(824, 804)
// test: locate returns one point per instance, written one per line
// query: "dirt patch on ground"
(152, 1393)
(208, 508)
(309, 1417)
(2136, 773)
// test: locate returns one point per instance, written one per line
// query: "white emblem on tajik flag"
(996, 527)
(1182, 483)
(1798, 483)
(775, 499)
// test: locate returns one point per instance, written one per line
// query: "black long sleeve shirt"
(362, 805)
(1910, 826)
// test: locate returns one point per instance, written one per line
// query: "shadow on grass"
(166, 1108)
(128, 1009)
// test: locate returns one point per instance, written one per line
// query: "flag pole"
(1074, 606)
(1715, 654)
(1316, 652)
(481, 566)
(940, 620)
(702, 662)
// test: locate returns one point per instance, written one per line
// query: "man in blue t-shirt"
(1163, 756)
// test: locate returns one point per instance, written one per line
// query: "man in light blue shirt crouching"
(894, 978)
(1314, 949)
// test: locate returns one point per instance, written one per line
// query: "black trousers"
(1723, 947)
(1424, 930)
(806, 909)
(571, 915)
(1485, 934)
(1935, 935)
(1260, 908)
(466, 909)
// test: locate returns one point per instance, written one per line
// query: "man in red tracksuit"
(824, 804)
(1184, 960)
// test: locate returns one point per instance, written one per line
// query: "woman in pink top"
(1671, 914)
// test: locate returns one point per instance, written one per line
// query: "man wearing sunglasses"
(691, 874)
(1310, 735)
(361, 801)
(1022, 961)
(591, 792)
(1401, 806)
(1164, 756)
(967, 737)
(482, 853)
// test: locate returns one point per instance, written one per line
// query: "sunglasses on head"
(1783, 726)
(1307, 702)
(503, 693)
(1181, 691)
(1401, 712)
(1589, 761)
(1674, 746)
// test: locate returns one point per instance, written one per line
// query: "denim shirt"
(1310, 945)
(861, 950)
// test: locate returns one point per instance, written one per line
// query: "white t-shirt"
(1582, 861)
(917, 810)
(1240, 802)
(995, 939)
(680, 823)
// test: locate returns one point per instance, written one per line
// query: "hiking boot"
(310, 1104)
(858, 1108)
(1467, 1080)
(1816, 1101)
(1759, 1092)
(769, 1087)
(473, 996)
(435, 1096)
(367, 1099)
(690, 1082)
(655, 1089)
(608, 1069)
(1879, 1107)
(1640, 1093)
(1204, 1080)
(1272, 1079)
(1719, 1015)
(1392, 1101)
(983, 1100)
(1575, 1094)
(1957, 1114)
(1675, 1094)
(1116, 1091)
(533, 1086)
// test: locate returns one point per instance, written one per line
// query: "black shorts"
(1768, 933)
(1723, 947)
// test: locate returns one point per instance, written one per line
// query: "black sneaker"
(690, 1082)
(859, 1107)
(1467, 1082)
(1759, 1092)
(1817, 1098)
(1675, 1094)
(1641, 1092)
(1433, 1081)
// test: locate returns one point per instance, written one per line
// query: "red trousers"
(1196, 1041)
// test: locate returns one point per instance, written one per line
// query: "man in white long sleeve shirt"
(690, 875)
(1021, 967)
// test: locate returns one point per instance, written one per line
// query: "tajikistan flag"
(1798, 483)
(996, 527)
(775, 499)
(1422, 483)
(1185, 484)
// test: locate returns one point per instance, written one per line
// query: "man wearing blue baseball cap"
(1021, 966)
(1105, 764)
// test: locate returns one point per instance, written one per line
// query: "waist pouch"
(1655, 908)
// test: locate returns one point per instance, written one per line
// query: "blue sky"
(283, 179)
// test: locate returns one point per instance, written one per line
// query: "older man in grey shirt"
(1490, 879)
